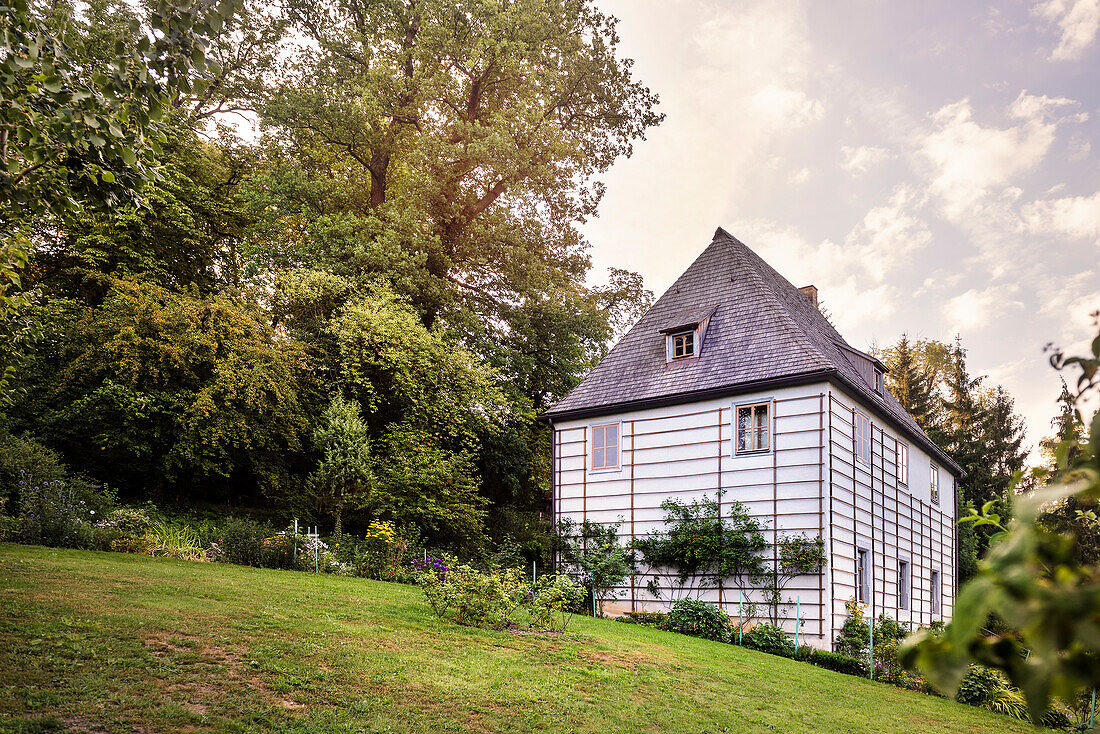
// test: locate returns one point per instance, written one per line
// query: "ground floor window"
(863, 576)
(753, 428)
(903, 584)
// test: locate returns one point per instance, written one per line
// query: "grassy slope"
(111, 642)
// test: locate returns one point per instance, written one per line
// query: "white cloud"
(859, 160)
(888, 235)
(975, 309)
(968, 161)
(836, 270)
(799, 177)
(1078, 21)
(1074, 216)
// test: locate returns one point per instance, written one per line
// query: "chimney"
(810, 291)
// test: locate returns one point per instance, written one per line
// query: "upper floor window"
(863, 438)
(903, 463)
(878, 381)
(753, 428)
(682, 345)
(605, 446)
(934, 483)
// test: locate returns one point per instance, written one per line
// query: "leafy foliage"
(798, 555)
(698, 619)
(838, 662)
(704, 544)
(591, 555)
(770, 638)
(1033, 580)
(480, 599)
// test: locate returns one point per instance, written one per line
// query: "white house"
(735, 380)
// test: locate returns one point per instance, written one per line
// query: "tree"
(909, 381)
(705, 543)
(169, 395)
(343, 477)
(1033, 579)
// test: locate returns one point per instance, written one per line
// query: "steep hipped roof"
(762, 331)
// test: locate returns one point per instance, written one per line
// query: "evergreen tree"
(910, 382)
(343, 477)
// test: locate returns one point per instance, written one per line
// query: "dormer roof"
(762, 331)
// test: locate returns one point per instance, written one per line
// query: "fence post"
(1092, 709)
(593, 599)
(295, 541)
(797, 620)
(534, 572)
(871, 665)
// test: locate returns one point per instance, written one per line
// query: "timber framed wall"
(871, 510)
(686, 452)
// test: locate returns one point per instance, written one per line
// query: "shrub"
(9, 529)
(890, 670)
(592, 556)
(979, 686)
(838, 662)
(241, 541)
(467, 596)
(854, 638)
(381, 553)
(174, 540)
(698, 619)
(25, 462)
(649, 619)
(552, 598)
(124, 530)
(57, 513)
(770, 638)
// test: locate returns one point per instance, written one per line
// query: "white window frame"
(901, 459)
(937, 601)
(934, 483)
(864, 575)
(671, 345)
(880, 385)
(905, 583)
(770, 404)
(592, 468)
(862, 441)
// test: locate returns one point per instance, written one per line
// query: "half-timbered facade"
(735, 385)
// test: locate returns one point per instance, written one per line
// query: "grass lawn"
(105, 642)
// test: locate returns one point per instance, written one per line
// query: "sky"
(933, 168)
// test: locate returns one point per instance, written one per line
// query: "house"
(735, 380)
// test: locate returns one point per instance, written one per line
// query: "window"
(935, 592)
(878, 381)
(605, 446)
(863, 438)
(934, 483)
(683, 345)
(863, 576)
(903, 463)
(753, 430)
(903, 584)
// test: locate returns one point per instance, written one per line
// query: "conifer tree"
(909, 382)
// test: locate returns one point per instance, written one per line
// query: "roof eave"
(686, 397)
(928, 444)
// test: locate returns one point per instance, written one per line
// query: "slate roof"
(762, 331)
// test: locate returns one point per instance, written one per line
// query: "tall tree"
(343, 477)
(911, 382)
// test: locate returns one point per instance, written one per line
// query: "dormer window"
(684, 332)
(682, 345)
(878, 381)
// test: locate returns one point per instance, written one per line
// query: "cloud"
(859, 160)
(888, 235)
(837, 270)
(975, 309)
(799, 177)
(1078, 21)
(967, 161)
(1074, 216)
